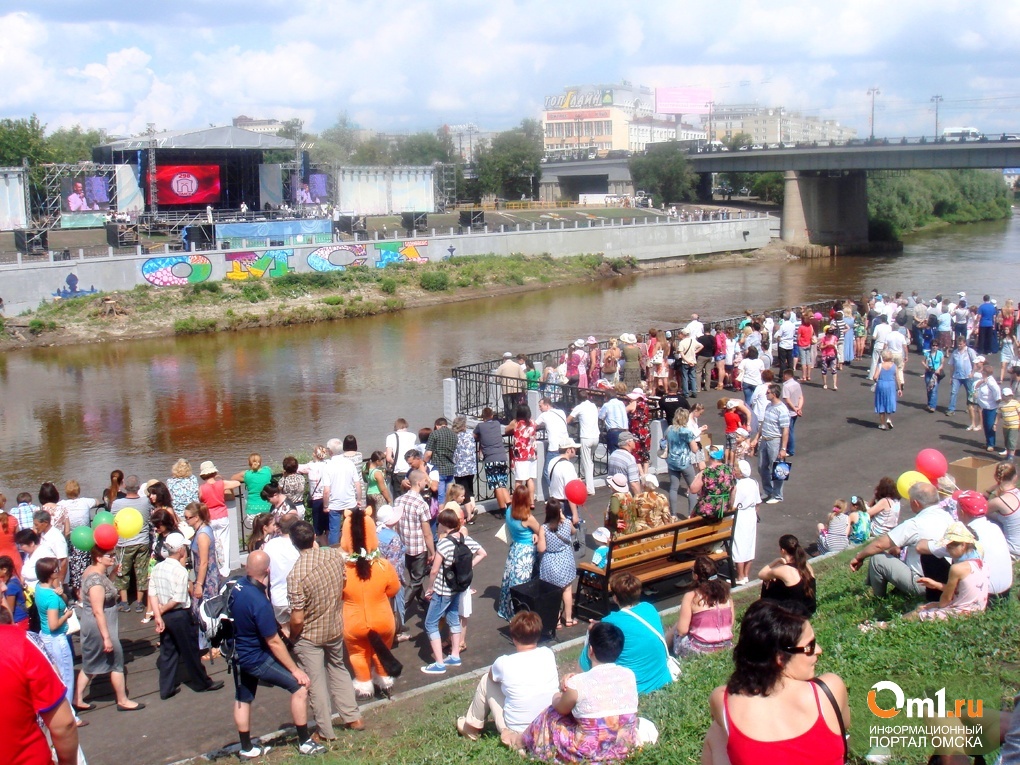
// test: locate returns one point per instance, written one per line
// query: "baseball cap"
(972, 503)
(625, 437)
(508, 355)
(174, 542)
(1007, 391)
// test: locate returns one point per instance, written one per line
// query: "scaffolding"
(444, 177)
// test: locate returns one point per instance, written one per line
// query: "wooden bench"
(652, 556)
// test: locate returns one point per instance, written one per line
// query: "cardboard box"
(706, 439)
(974, 473)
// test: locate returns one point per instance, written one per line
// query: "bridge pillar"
(825, 209)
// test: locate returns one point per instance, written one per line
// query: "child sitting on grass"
(833, 535)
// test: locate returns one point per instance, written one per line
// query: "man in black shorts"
(261, 655)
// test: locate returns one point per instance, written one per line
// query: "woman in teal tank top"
(521, 528)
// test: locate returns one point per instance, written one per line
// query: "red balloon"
(932, 464)
(577, 492)
(105, 536)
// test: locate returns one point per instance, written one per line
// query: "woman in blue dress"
(848, 343)
(557, 566)
(521, 528)
(887, 390)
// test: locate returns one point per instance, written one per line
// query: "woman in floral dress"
(524, 456)
(713, 486)
(594, 716)
(638, 424)
(521, 529)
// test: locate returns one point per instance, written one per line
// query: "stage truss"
(48, 212)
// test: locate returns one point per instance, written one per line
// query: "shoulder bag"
(671, 662)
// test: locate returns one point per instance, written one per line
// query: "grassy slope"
(421, 729)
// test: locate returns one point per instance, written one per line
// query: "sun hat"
(636, 394)
(207, 468)
(569, 444)
(579, 343)
(972, 503)
(650, 480)
(387, 515)
(957, 532)
(601, 535)
(174, 542)
(628, 337)
(591, 340)
(742, 432)
(744, 467)
(618, 482)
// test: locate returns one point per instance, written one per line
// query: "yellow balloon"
(908, 479)
(129, 522)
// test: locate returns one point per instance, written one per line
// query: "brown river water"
(79, 412)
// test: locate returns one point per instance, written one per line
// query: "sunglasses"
(807, 650)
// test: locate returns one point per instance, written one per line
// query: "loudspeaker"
(542, 598)
(199, 234)
(472, 218)
(28, 240)
(414, 221)
(350, 224)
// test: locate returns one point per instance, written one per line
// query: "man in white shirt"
(785, 337)
(34, 548)
(282, 557)
(514, 384)
(586, 414)
(554, 422)
(695, 328)
(398, 443)
(878, 336)
(51, 538)
(562, 472)
(896, 344)
(793, 397)
(973, 512)
(614, 414)
(930, 521)
(341, 488)
(170, 604)
(987, 395)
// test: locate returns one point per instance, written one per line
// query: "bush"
(193, 326)
(388, 285)
(36, 326)
(333, 300)
(435, 281)
(255, 292)
(200, 287)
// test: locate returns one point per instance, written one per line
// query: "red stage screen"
(188, 184)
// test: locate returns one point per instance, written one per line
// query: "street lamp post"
(936, 100)
(873, 92)
(710, 105)
(577, 127)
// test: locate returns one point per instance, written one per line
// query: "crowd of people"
(343, 549)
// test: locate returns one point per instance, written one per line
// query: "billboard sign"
(580, 99)
(682, 100)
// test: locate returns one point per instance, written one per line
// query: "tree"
(665, 173)
(338, 142)
(421, 149)
(23, 139)
(734, 142)
(768, 187)
(71, 145)
(509, 166)
(374, 151)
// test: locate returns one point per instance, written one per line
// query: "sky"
(419, 64)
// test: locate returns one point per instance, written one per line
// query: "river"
(79, 412)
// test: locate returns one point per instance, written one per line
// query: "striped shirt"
(1010, 412)
(169, 582)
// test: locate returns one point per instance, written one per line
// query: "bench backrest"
(629, 550)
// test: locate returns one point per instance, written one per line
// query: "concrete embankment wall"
(23, 285)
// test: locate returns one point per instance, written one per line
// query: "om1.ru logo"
(920, 707)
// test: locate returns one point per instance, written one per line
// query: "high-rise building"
(769, 125)
(604, 118)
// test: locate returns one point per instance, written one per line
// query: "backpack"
(608, 362)
(216, 619)
(458, 574)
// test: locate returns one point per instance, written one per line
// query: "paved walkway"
(840, 452)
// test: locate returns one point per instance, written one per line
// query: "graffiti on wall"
(182, 270)
(337, 257)
(176, 270)
(252, 265)
(71, 290)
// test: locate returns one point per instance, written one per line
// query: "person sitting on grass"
(706, 614)
(967, 590)
(833, 535)
(517, 687)
(594, 716)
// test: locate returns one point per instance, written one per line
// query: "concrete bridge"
(825, 199)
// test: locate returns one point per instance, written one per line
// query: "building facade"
(603, 118)
(772, 125)
(271, 127)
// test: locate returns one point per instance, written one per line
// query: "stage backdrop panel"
(270, 185)
(413, 191)
(12, 201)
(385, 190)
(188, 184)
(129, 193)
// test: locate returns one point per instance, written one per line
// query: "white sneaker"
(773, 501)
(310, 747)
(254, 753)
(740, 582)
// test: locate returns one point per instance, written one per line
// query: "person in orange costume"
(370, 583)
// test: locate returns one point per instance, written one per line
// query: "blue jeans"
(336, 521)
(768, 452)
(748, 391)
(968, 383)
(688, 378)
(444, 484)
(438, 606)
(988, 420)
(933, 389)
(789, 441)
(246, 679)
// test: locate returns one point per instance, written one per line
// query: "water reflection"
(80, 412)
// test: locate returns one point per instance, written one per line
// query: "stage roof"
(209, 138)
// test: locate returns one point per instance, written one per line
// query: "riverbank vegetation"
(982, 643)
(901, 203)
(302, 298)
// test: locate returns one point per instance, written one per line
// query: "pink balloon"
(932, 464)
(577, 492)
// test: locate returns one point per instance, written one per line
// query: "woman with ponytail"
(706, 614)
(789, 577)
(369, 625)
